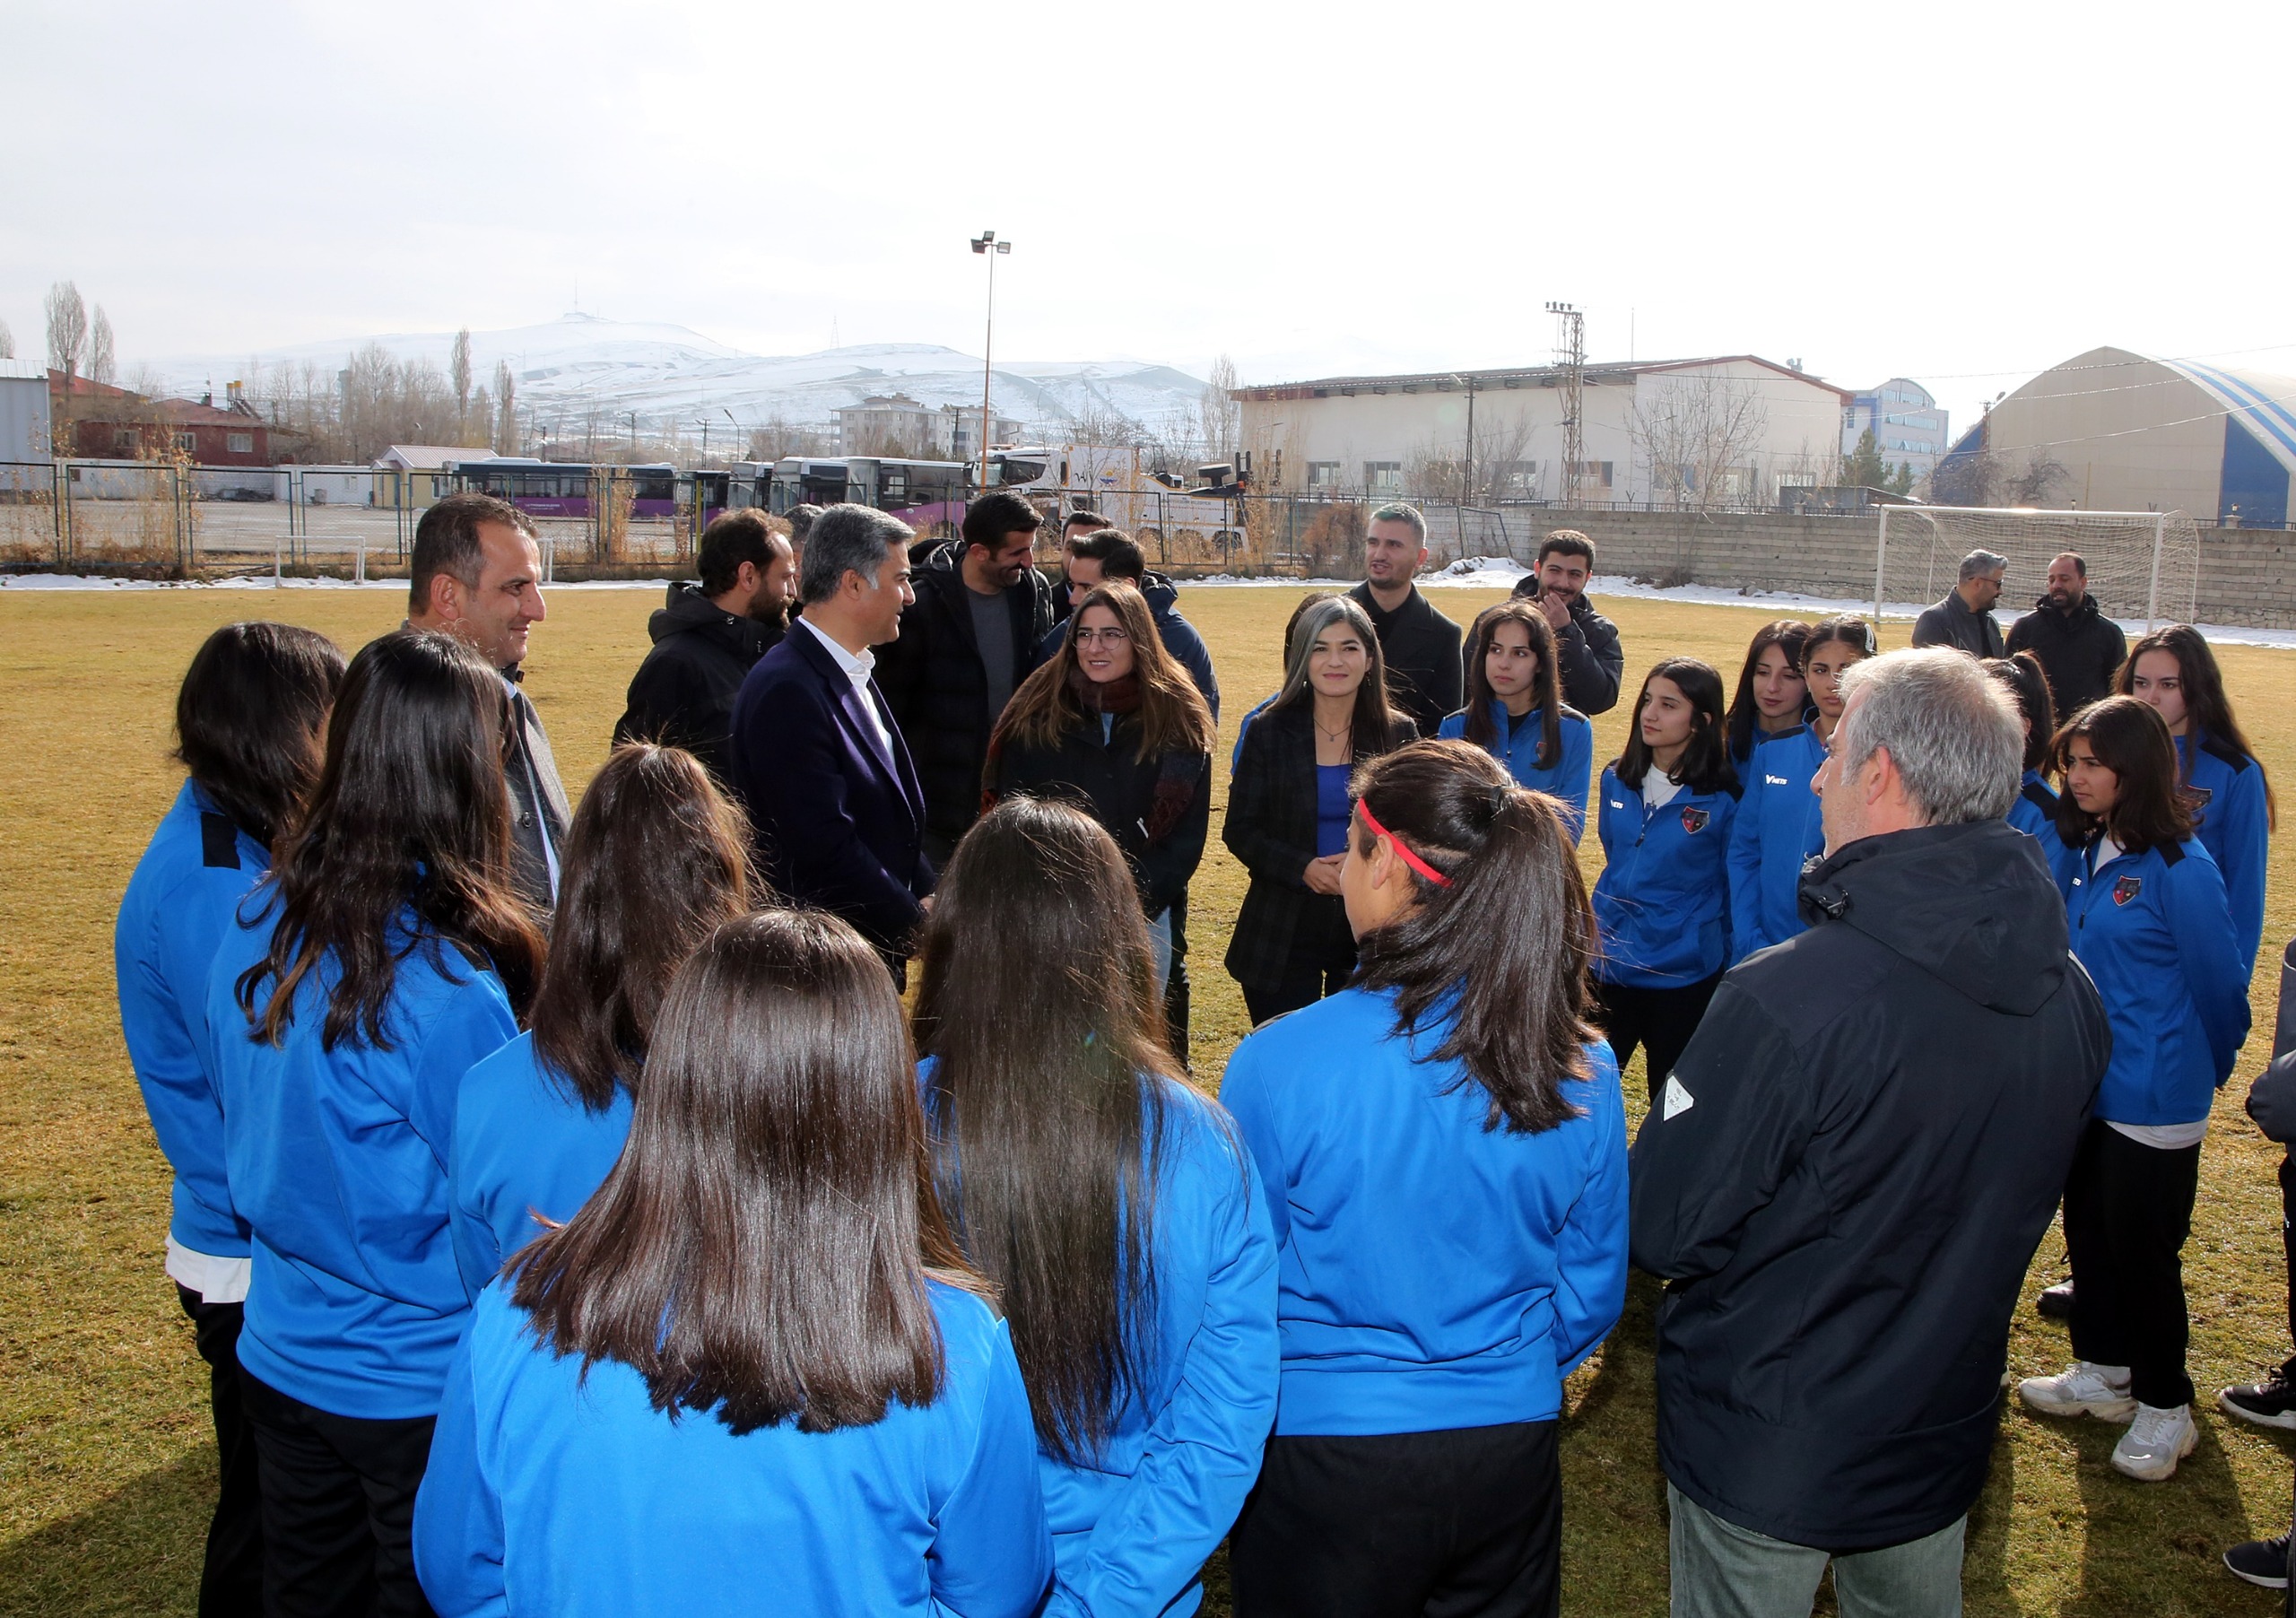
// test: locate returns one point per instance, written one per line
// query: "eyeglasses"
(1108, 638)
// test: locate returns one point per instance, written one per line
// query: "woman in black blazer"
(1289, 805)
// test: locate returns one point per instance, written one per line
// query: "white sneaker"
(2086, 1389)
(2155, 1442)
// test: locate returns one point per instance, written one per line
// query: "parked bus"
(929, 496)
(568, 488)
(1147, 501)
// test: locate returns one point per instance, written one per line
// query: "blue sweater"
(173, 917)
(1130, 1533)
(1565, 779)
(561, 1493)
(338, 1164)
(2033, 812)
(1432, 1273)
(2234, 825)
(2156, 935)
(1777, 828)
(1663, 901)
(525, 1145)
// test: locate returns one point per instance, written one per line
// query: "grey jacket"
(2272, 1098)
(1951, 624)
(538, 807)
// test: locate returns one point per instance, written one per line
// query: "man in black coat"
(1420, 646)
(709, 635)
(1964, 620)
(1586, 650)
(964, 646)
(2079, 648)
(1846, 1174)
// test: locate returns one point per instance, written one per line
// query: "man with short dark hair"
(801, 522)
(476, 574)
(1111, 555)
(1845, 1175)
(1421, 646)
(1073, 528)
(2079, 648)
(815, 756)
(1586, 650)
(964, 646)
(1964, 620)
(709, 635)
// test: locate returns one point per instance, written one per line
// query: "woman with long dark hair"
(1444, 1148)
(249, 717)
(1110, 1203)
(1289, 808)
(2233, 814)
(656, 857)
(1114, 724)
(1772, 697)
(2152, 924)
(1663, 901)
(2033, 811)
(386, 952)
(752, 1372)
(1776, 828)
(1515, 710)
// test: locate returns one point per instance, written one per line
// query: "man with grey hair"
(1845, 1175)
(1420, 646)
(1964, 620)
(815, 756)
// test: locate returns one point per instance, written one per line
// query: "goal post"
(2143, 565)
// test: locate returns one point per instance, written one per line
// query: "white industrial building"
(1733, 430)
(24, 427)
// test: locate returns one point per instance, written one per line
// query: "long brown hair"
(1787, 634)
(1546, 687)
(656, 859)
(1048, 1097)
(248, 719)
(1375, 718)
(1501, 951)
(2022, 676)
(410, 811)
(2132, 740)
(1173, 718)
(761, 1249)
(2207, 708)
(1705, 765)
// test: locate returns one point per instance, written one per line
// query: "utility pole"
(986, 245)
(1466, 477)
(1571, 353)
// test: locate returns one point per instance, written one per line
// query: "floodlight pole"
(988, 246)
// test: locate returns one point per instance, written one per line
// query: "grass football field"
(106, 1460)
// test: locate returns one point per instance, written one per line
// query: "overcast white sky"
(1962, 193)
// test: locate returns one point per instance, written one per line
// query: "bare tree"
(2034, 485)
(1694, 431)
(67, 330)
(506, 403)
(103, 364)
(458, 373)
(1220, 417)
(7, 341)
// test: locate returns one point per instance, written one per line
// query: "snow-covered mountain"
(579, 363)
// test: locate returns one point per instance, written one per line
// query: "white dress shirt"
(858, 668)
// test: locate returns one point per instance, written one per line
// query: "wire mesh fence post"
(1881, 562)
(2152, 591)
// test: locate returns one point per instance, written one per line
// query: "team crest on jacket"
(2127, 888)
(1694, 819)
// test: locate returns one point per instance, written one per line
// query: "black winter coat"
(1845, 1177)
(1951, 622)
(2272, 1098)
(682, 695)
(1110, 782)
(1420, 648)
(2079, 651)
(1271, 828)
(934, 680)
(1587, 653)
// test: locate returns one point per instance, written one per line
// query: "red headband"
(1364, 807)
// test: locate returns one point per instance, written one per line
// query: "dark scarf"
(1176, 772)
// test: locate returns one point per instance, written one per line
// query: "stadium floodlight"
(2135, 558)
(987, 244)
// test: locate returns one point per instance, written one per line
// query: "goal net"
(2144, 566)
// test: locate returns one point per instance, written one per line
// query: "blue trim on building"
(2253, 481)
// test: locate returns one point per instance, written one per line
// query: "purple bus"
(568, 488)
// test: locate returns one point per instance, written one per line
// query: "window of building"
(1383, 479)
(1323, 476)
(122, 438)
(241, 443)
(188, 443)
(1598, 473)
(1516, 479)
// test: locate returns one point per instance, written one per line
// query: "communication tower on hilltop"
(1570, 354)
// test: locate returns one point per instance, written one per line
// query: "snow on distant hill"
(579, 363)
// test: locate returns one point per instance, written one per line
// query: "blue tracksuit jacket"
(1663, 901)
(1778, 828)
(2234, 825)
(1565, 779)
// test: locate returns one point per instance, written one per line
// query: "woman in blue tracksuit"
(2150, 923)
(752, 1373)
(249, 717)
(1778, 828)
(2233, 813)
(1111, 1204)
(1515, 709)
(654, 860)
(386, 952)
(1772, 696)
(1451, 1092)
(2033, 811)
(1663, 901)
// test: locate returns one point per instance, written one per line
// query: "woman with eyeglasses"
(1114, 725)
(1515, 709)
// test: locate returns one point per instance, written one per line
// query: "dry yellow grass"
(104, 1456)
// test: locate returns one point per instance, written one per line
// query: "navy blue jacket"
(1565, 779)
(839, 822)
(1178, 634)
(1663, 901)
(176, 912)
(1779, 827)
(526, 1149)
(2233, 823)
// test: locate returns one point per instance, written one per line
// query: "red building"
(111, 424)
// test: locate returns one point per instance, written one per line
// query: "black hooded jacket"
(1845, 1177)
(683, 694)
(2079, 651)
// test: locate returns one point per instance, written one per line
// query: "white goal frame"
(2158, 520)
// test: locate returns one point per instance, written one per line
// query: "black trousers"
(2127, 1211)
(1660, 1020)
(1448, 1524)
(338, 1509)
(1176, 994)
(2288, 1251)
(231, 1581)
(1303, 986)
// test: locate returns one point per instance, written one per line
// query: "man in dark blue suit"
(815, 755)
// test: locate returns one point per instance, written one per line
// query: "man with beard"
(1420, 646)
(1586, 651)
(708, 636)
(2079, 648)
